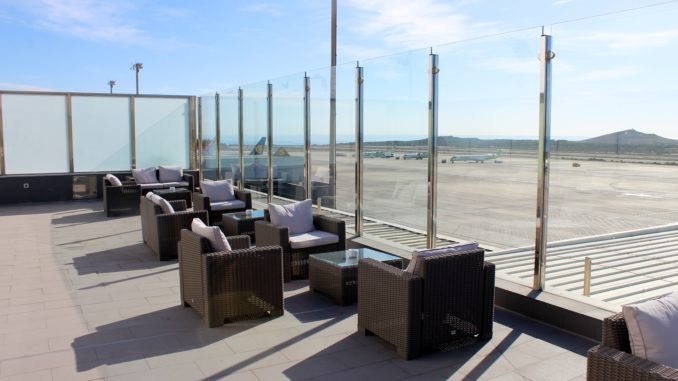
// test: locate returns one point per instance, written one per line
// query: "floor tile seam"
(32, 355)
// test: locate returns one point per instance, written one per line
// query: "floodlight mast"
(137, 67)
(111, 83)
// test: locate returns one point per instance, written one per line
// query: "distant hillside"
(632, 137)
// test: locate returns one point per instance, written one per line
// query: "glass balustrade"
(208, 136)
(255, 141)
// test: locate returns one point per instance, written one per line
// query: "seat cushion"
(312, 239)
(227, 205)
(164, 205)
(144, 175)
(213, 234)
(653, 329)
(113, 180)
(151, 186)
(176, 184)
(169, 174)
(218, 191)
(419, 255)
(298, 216)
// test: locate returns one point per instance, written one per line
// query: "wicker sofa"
(202, 202)
(120, 199)
(612, 359)
(161, 231)
(245, 283)
(295, 261)
(447, 301)
(187, 181)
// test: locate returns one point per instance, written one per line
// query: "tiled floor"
(81, 298)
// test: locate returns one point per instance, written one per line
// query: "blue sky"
(202, 46)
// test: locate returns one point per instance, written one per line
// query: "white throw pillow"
(113, 180)
(298, 217)
(653, 329)
(218, 191)
(212, 233)
(149, 195)
(144, 176)
(425, 253)
(164, 205)
(170, 174)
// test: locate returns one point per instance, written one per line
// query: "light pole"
(137, 67)
(111, 83)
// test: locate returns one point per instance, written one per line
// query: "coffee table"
(241, 223)
(335, 275)
(176, 194)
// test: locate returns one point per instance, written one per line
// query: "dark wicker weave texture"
(121, 199)
(450, 301)
(202, 202)
(232, 226)
(245, 283)
(161, 231)
(612, 360)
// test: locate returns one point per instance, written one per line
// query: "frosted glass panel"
(230, 141)
(208, 115)
(162, 132)
(101, 134)
(35, 133)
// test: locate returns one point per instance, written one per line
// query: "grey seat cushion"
(312, 239)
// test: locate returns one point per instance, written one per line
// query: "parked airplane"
(416, 156)
(382, 154)
(480, 158)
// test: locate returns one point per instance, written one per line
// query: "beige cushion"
(218, 190)
(144, 176)
(164, 205)
(312, 239)
(168, 174)
(419, 255)
(151, 186)
(176, 184)
(212, 233)
(227, 205)
(653, 329)
(113, 180)
(298, 217)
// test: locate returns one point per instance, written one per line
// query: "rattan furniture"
(202, 202)
(612, 359)
(187, 182)
(241, 223)
(447, 302)
(121, 199)
(295, 261)
(161, 231)
(336, 275)
(245, 283)
(176, 194)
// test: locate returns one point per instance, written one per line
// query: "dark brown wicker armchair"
(245, 283)
(161, 231)
(295, 261)
(612, 359)
(202, 202)
(121, 199)
(448, 301)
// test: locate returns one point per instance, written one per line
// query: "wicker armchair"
(295, 261)
(612, 359)
(202, 202)
(245, 283)
(161, 231)
(448, 302)
(121, 199)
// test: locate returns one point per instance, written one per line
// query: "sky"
(610, 73)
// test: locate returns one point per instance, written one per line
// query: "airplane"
(480, 158)
(382, 154)
(416, 156)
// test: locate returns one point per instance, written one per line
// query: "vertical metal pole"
(307, 138)
(241, 139)
(269, 125)
(333, 109)
(200, 162)
(587, 276)
(359, 79)
(133, 129)
(217, 136)
(546, 55)
(69, 128)
(2, 143)
(431, 216)
(193, 133)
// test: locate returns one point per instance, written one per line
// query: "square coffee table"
(241, 223)
(337, 276)
(176, 194)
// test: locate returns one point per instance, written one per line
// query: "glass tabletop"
(245, 216)
(340, 258)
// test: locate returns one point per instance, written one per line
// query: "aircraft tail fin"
(259, 147)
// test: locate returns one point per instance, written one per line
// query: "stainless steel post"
(587, 276)
(133, 129)
(307, 138)
(2, 143)
(431, 217)
(200, 162)
(359, 79)
(217, 137)
(69, 127)
(546, 56)
(269, 125)
(241, 140)
(333, 110)
(193, 133)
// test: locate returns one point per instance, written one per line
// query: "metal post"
(193, 133)
(587, 276)
(217, 137)
(2, 143)
(333, 109)
(200, 166)
(308, 192)
(546, 55)
(431, 216)
(133, 129)
(69, 128)
(241, 139)
(359, 79)
(269, 125)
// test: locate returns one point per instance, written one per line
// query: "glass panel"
(101, 133)
(255, 147)
(230, 141)
(395, 149)
(162, 132)
(35, 133)
(288, 138)
(208, 124)
(613, 170)
(487, 146)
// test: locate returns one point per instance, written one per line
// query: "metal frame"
(431, 220)
(539, 280)
(133, 130)
(241, 139)
(217, 135)
(69, 128)
(80, 94)
(2, 142)
(308, 191)
(359, 79)
(192, 133)
(269, 127)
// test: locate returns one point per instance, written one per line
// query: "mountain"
(632, 137)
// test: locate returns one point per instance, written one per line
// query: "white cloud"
(22, 87)
(636, 40)
(561, 2)
(268, 9)
(607, 74)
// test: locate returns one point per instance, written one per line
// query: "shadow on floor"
(131, 257)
